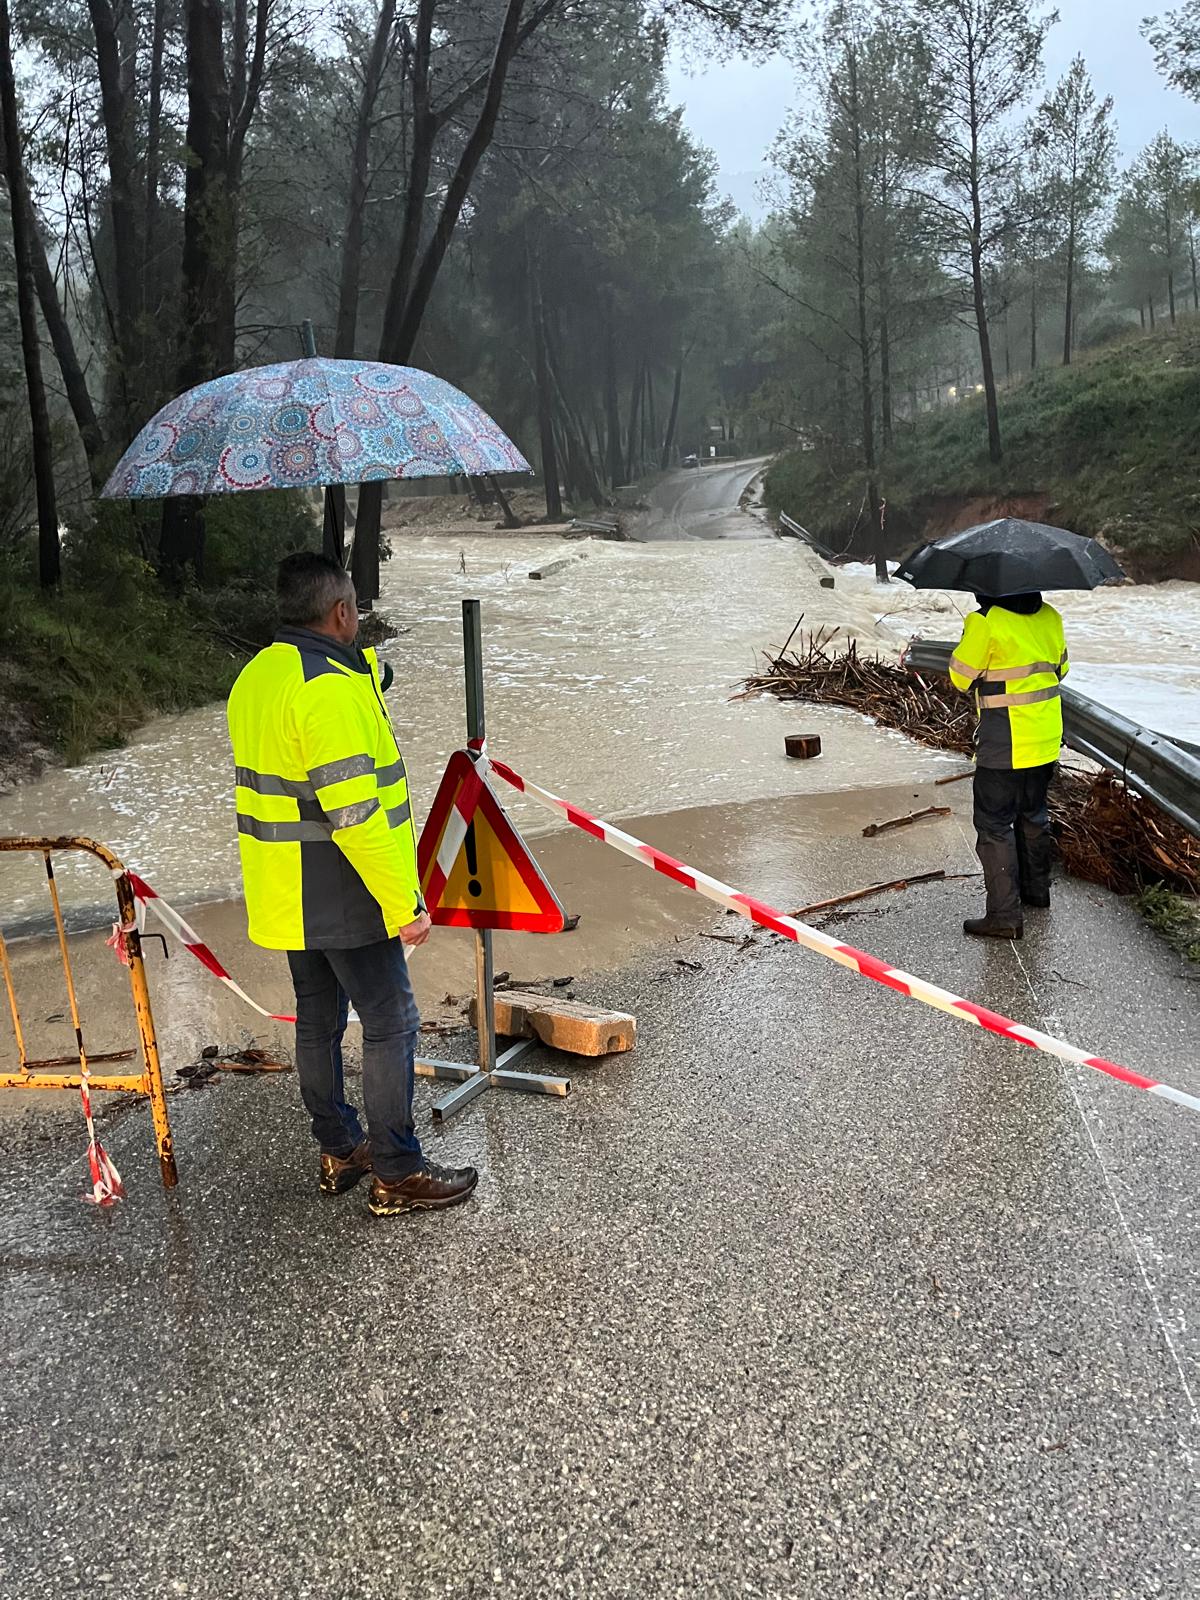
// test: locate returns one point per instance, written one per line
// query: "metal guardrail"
(789, 528)
(1155, 766)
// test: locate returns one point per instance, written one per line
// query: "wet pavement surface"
(702, 503)
(817, 1292)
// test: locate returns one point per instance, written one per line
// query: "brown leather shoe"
(339, 1173)
(432, 1189)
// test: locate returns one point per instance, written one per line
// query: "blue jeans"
(374, 978)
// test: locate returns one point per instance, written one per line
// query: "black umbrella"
(1011, 556)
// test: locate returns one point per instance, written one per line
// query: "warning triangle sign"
(476, 870)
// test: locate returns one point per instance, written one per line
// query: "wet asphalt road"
(818, 1293)
(703, 503)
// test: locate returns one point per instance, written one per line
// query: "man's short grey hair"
(309, 586)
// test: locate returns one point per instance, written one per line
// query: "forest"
(501, 192)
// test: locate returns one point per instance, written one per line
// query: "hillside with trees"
(950, 241)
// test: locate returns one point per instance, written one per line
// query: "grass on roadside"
(82, 668)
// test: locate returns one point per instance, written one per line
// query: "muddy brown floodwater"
(1135, 648)
(609, 682)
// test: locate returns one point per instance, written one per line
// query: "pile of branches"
(1106, 833)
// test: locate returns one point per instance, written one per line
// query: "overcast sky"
(738, 107)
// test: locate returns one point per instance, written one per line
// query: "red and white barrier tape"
(148, 899)
(713, 889)
(107, 1187)
(813, 939)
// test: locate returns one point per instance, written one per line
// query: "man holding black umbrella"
(1013, 655)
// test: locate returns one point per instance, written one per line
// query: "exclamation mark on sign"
(474, 886)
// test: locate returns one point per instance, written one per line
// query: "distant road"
(702, 503)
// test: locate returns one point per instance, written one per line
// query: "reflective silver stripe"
(1031, 697)
(386, 776)
(1003, 674)
(339, 771)
(963, 670)
(351, 816)
(283, 832)
(397, 816)
(269, 783)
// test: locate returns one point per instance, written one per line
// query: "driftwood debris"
(1106, 834)
(872, 828)
(955, 777)
(874, 888)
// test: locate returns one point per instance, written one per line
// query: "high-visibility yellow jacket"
(1015, 663)
(329, 858)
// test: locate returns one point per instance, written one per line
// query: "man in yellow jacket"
(329, 865)
(1013, 657)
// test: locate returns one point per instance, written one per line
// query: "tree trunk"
(673, 416)
(350, 279)
(1171, 296)
(406, 306)
(360, 182)
(635, 410)
(74, 382)
(153, 148)
(1195, 283)
(1150, 303)
(49, 557)
(995, 449)
(574, 428)
(116, 76)
(886, 406)
(541, 375)
(612, 409)
(1142, 315)
(1069, 317)
(1007, 350)
(1033, 322)
(208, 291)
(651, 420)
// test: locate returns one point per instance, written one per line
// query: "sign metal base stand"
(493, 1071)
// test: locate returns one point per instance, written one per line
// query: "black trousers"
(1012, 835)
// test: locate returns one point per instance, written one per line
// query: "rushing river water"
(609, 681)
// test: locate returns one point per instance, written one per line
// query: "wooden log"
(802, 746)
(562, 1024)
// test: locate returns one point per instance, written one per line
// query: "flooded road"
(609, 682)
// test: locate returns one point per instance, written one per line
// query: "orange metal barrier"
(43, 1074)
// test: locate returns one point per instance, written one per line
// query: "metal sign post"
(493, 1072)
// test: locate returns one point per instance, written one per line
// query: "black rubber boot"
(998, 858)
(992, 928)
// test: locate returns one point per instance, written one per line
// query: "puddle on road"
(608, 682)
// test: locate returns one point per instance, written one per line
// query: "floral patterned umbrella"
(307, 424)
